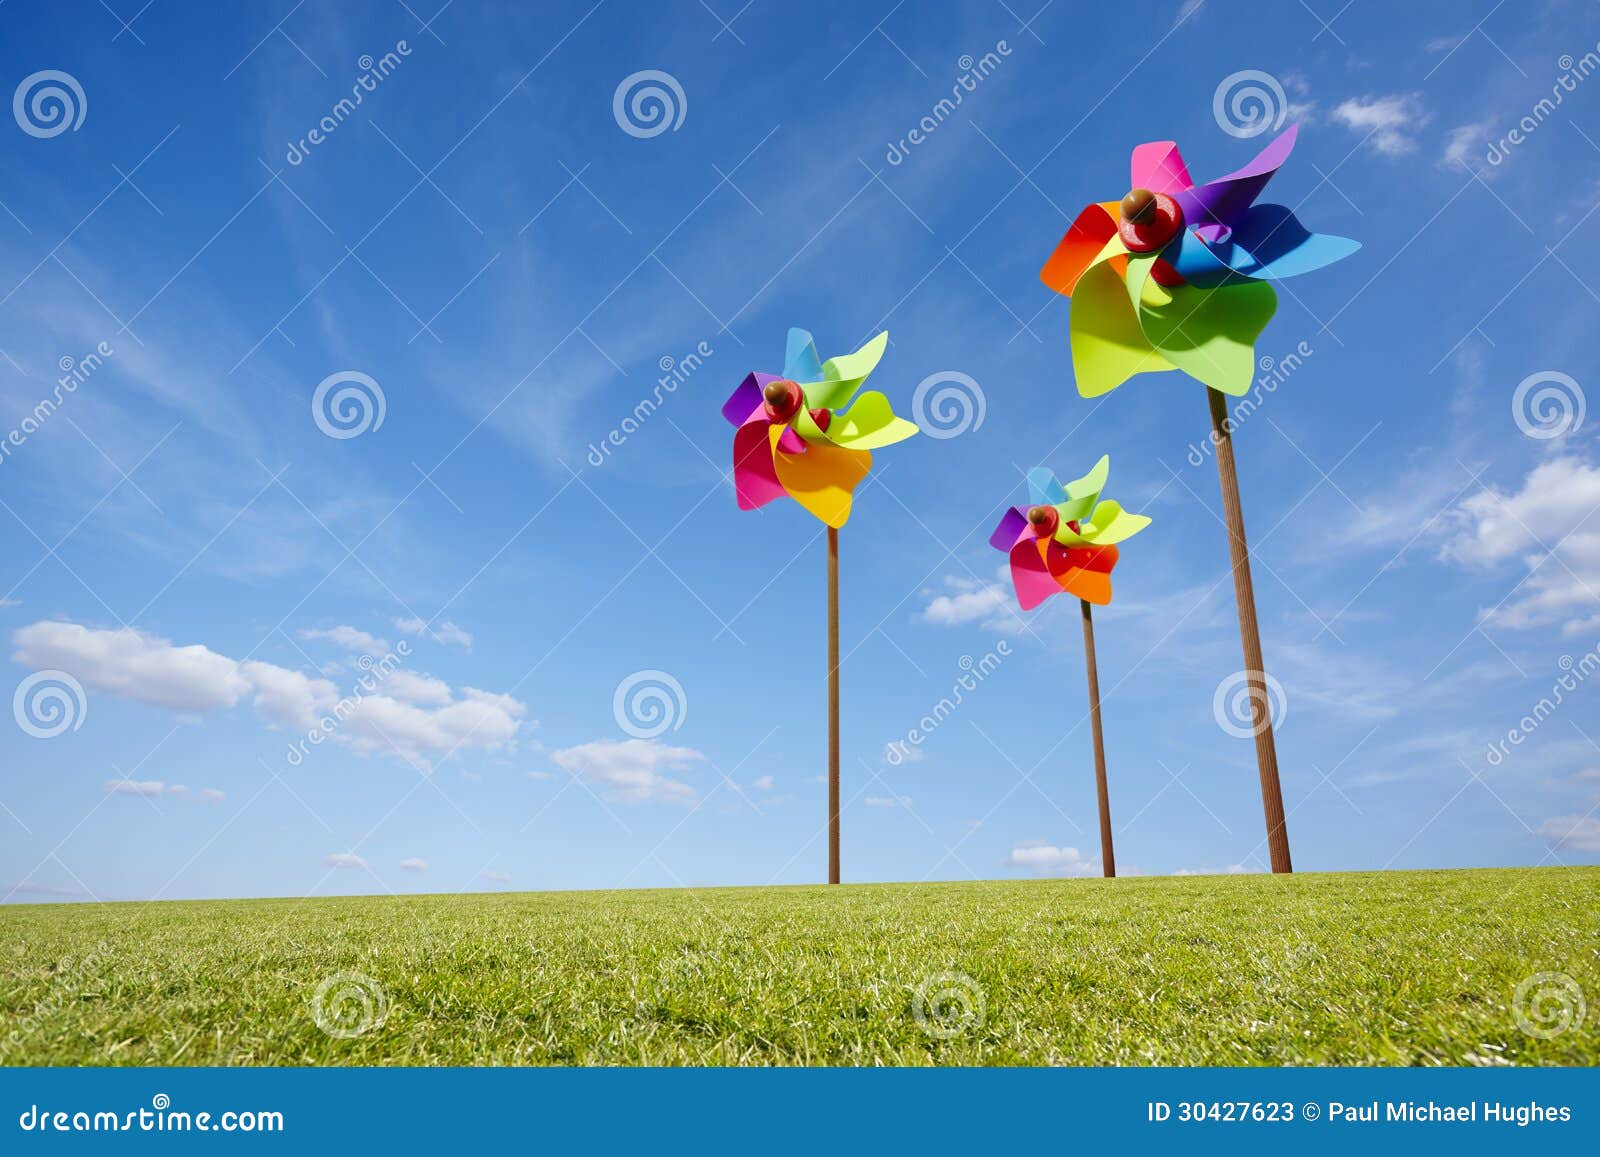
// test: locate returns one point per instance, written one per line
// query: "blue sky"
(483, 239)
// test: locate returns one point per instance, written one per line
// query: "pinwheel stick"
(833, 705)
(1250, 636)
(1108, 858)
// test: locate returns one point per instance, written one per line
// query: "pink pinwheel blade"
(1224, 200)
(1013, 523)
(744, 400)
(755, 480)
(1159, 167)
(1033, 582)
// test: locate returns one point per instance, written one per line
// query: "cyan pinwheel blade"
(1270, 242)
(842, 376)
(800, 361)
(868, 424)
(1043, 489)
(1110, 524)
(1209, 334)
(1012, 523)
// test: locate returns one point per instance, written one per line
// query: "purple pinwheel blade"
(1225, 200)
(1013, 523)
(744, 400)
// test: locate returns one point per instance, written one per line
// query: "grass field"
(1391, 968)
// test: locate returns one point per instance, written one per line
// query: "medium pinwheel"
(1066, 541)
(810, 433)
(1178, 276)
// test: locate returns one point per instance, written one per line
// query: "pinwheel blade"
(1012, 523)
(1159, 167)
(1084, 571)
(744, 400)
(1080, 247)
(1110, 524)
(1043, 489)
(869, 424)
(1108, 343)
(755, 482)
(1209, 334)
(1030, 577)
(823, 478)
(1083, 493)
(1269, 242)
(1225, 200)
(800, 361)
(842, 376)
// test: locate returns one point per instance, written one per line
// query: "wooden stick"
(1108, 858)
(833, 705)
(1250, 636)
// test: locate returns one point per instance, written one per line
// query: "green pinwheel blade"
(868, 424)
(1209, 334)
(1110, 524)
(842, 376)
(1108, 346)
(1083, 493)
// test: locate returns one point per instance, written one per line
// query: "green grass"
(1390, 968)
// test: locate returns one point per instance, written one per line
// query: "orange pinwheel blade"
(1084, 571)
(823, 478)
(1088, 235)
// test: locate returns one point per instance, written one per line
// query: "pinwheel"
(1066, 541)
(809, 434)
(1178, 276)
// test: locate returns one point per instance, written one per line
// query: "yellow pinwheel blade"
(823, 478)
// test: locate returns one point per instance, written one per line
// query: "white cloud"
(1571, 833)
(351, 639)
(10, 602)
(144, 787)
(133, 665)
(414, 864)
(1465, 146)
(987, 603)
(888, 801)
(762, 783)
(1230, 870)
(444, 632)
(1048, 859)
(1389, 122)
(495, 877)
(630, 769)
(343, 860)
(211, 795)
(1187, 9)
(1550, 525)
(413, 716)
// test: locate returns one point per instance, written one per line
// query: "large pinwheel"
(1066, 541)
(1178, 276)
(809, 433)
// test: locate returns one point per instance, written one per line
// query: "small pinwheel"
(808, 433)
(1066, 541)
(1177, 276)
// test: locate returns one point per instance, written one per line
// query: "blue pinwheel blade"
(1043, 489)
(800, 361)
